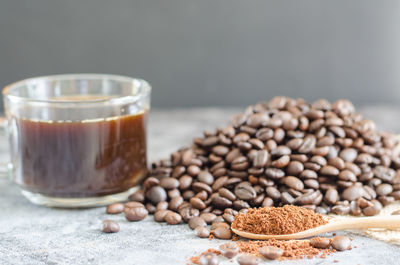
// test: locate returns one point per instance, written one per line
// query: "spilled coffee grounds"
(293, 249)
(288, 219)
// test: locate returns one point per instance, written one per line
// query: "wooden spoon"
(389, 222)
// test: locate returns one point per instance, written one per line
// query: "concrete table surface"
(31, 234)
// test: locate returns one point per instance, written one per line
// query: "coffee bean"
(197, 221)
(110, 226)
(220, 150)
(221, 202)
(229, 250)
(293, 182)
(208, 217)
(210, 141)
(136, 214)
(234, 153)
(199, 186)
(384, 189)
(173, 193)
(248, 259)
(150, 182)
(222, 232)
(337, 163)
(308, 174)
(245, 191)
(281, 162)
(386, 200)
(130, 205)
(173, 218)
(223, 192)
(257, 119)
(309, 143)
(348, 154)
(311, 183)
(352, 193)
(331, 196)
(185, 181)
(329, 171)
(341, 243)
(150, 208)
(307, 198)
(341, 209)
(373, 209)
(159, 216)
(281, 150)
(156, 194)
(115, 208)
(188, 194)
(274, 173)
(271, 252)
(355, 209)
(295, 168)
(347, 175)
(397, 212)
(193, 170)
(320, 242)
(175, 203)
(209, 259)
(261, 158)
(216, 224)
(177, 172)
(197, 203)
(241, 137)
(202, 232)
(385, 174)
(286, 198)
(137, 196)
(319, 160)
(188, 212)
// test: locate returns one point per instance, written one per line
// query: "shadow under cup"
(77, 140)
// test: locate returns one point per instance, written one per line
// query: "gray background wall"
(212, 52)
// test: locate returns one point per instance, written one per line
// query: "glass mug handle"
(4, 165)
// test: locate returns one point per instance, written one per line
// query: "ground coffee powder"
(288, 219)
(293, 249)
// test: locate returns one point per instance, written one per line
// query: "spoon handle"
(365, 222)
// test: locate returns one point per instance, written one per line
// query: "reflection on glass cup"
(77, 140)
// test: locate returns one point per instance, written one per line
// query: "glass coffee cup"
(77, 140)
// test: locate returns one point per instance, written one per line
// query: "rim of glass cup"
(143, 91)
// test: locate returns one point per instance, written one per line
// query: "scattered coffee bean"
(229, 250)
(130, 205)
(173, 218)
(341, 243)
(222, 232)
(196, 221)
(248, 259)
(271, 252)
(202, 232)
(136, 214)
(110, 226)
(320, 242)
(156, 194)
(159, 216)
(115, 208)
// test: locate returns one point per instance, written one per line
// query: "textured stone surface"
(32, 234)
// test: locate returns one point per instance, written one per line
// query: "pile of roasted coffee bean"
(321, 156)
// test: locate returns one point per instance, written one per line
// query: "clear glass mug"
(77, 140)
